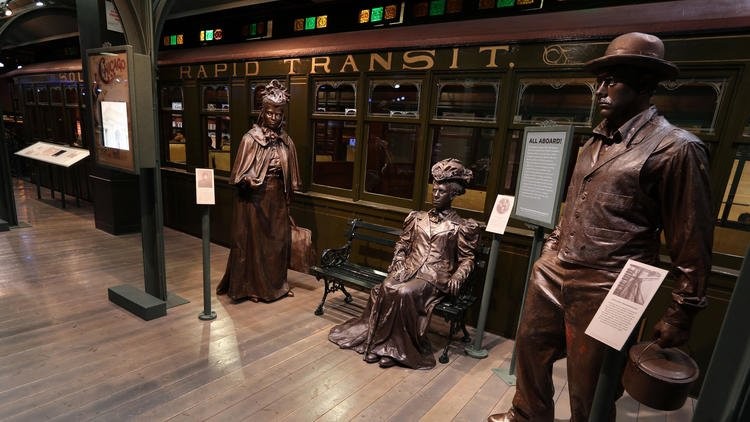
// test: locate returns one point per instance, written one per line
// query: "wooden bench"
(336, 271)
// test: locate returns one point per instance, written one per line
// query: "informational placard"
(544, 164)
(500, 214)
(626, 301)
(110, 73)
(204, 187)
(61, 155)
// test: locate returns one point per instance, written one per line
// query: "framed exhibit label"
(544, 164)
(110, 73)
(60, 155)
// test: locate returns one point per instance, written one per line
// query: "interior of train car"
(380, 91)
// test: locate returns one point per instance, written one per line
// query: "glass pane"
(336, 98)
(391, 152)
(467, 100)
(217, 130)
(58, 125)
(42, 95)
(171, 97)
(690, 104)
(216, 98)
(28, 94)
(732, 233)
(473, 147)
(71, 94)
(334, 145)
(394, 98)
(176, 137)
(558, 100)
(56, 95)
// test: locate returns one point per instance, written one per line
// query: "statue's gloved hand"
(454, 286)
(673, 329)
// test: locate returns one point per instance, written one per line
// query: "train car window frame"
(396, 84)
(399, 136)
(172, 122)
(335, 90)
(217, 148)
(466, 135)
(255, 96)
(719, 85)
(335, 139)
(526, 82)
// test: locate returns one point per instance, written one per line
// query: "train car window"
(692, 104)
(55, 94)
(395, 98)
(471, 145)
(172, 131)
(219, 142)
(564, 101)
(391, 158)
(338, 98)
(732, 232)
(334, 143)
(216, 98)
(467, 100)
(71, 95)
(42, 94)
(75, 126)
(215, 126)
(28, 95)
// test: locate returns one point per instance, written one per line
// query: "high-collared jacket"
(435, 252)
(620, 201)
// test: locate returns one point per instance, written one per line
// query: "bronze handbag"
(302, 254)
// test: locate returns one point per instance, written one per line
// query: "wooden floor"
(67, 353)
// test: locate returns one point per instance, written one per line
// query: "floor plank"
(68, 354)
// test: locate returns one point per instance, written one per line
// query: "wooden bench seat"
(336, 271)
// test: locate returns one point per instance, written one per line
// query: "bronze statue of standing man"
(638, 177)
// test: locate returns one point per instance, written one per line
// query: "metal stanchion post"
(475, 350)
(207, 314)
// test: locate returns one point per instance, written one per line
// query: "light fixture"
(19, 66)
(8, 12)
(2, 64)
(39, 3)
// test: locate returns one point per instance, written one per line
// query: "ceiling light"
(19, 66)
(39, 3)
(8, 12)
(2, 64)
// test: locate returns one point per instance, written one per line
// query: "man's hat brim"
(663, 69)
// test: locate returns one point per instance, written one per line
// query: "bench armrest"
(333, 257)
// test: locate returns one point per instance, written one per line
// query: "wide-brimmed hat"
(636, 49)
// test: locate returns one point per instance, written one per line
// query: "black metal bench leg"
(348, 298)
(319, 309)
(444, 357)
(467, 337)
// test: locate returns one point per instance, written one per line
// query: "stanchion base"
(505, 375)
(207, 317)
(476, 353)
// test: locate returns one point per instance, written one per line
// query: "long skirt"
(261, 237)
(393, 323)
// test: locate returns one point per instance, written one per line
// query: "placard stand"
(509, 375)
(476, 350)
(207, 313)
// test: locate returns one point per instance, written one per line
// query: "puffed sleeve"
(468, 239)
(403, 244)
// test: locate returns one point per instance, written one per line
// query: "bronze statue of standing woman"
(265, 173)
